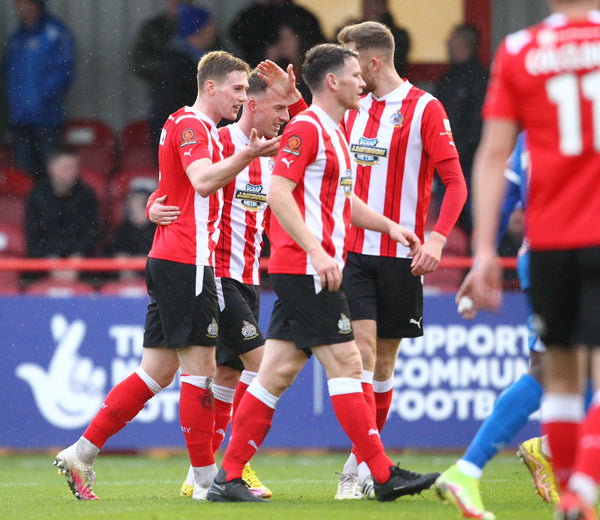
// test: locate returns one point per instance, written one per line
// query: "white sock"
(363, 472)
(189, 480)
(351, 466)
(546, 446)
(469, 469)
(86, 451)
(204, 475)
(584, 486)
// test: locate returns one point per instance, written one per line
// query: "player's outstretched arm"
(280, 81)
(207, 177)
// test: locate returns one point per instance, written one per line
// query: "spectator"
(259, 26)
(175, 83)
(152, 38)
(38, 70)
(133, 237)
(61, 218)
(462, 90)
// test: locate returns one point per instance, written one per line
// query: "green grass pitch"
(146, 487)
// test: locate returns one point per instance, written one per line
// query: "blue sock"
(511, 411)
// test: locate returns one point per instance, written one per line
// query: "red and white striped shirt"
(315, 155)
(395, 141)
(188, 135)
(243, 215)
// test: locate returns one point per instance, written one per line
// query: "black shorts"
(177, 316)
(307, 317)
(238, 321)
(565, 292)
(384, 289)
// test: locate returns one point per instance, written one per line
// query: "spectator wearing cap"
(38, 70)
(175, 83)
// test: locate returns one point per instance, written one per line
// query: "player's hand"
(407, 238)
(161, 214)
(484, 283)
(280, 81)
(428, 258)
(261, 147)
(464, 299)
(328, 270)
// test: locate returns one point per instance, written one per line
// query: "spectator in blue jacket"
(38, 70)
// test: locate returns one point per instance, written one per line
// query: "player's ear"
(331, 81)
(210, 87)
(252, 105)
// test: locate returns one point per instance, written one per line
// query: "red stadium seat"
(10, 282)
(138, 156)
(95, 143)
(14, 182)
(12, 240)
(136, 133)
(13, 210)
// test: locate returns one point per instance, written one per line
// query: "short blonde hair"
(369, 35)
(216, 65)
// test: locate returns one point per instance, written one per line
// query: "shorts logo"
(416, 322)
(293, 145)
(366, 152)
(249, 330)
(397, 119)
(212, 331)
(188, 137)
(346, 182)
(344, 325)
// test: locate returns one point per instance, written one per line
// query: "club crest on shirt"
(344, 325)
(346, 182)
(249, 330)
(293, 145)
(212, 331)
(188, 137)
(397, 118)
(366, 151)
(252, 198)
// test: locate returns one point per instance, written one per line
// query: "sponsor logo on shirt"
(397, 119)
(448, 132)
(293, 145)
(346, 181)
(252, 198)
(366, 152)
(188, 137)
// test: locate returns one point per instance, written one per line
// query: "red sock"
(370, 400)
(120, 406)
(355, 418)
(383, 401)
(240, 390)
(589, 445)
(197, 416)
(222, 418)
(250, 426)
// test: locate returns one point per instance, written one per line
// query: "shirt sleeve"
(438, 141)
(455, 197)
(500, 103)
(193, 141)
(153, 196)
(297, 107)
(298, 149)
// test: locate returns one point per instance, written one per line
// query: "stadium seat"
(14, 182)
(95, 143)
(13, 210)
(9, 283)
(138, 156)
(136, 133)
(12, 240)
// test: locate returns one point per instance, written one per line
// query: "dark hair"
(323, 59)
(256, 84)
(62, 149)
(368, 35)
(216, 65)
